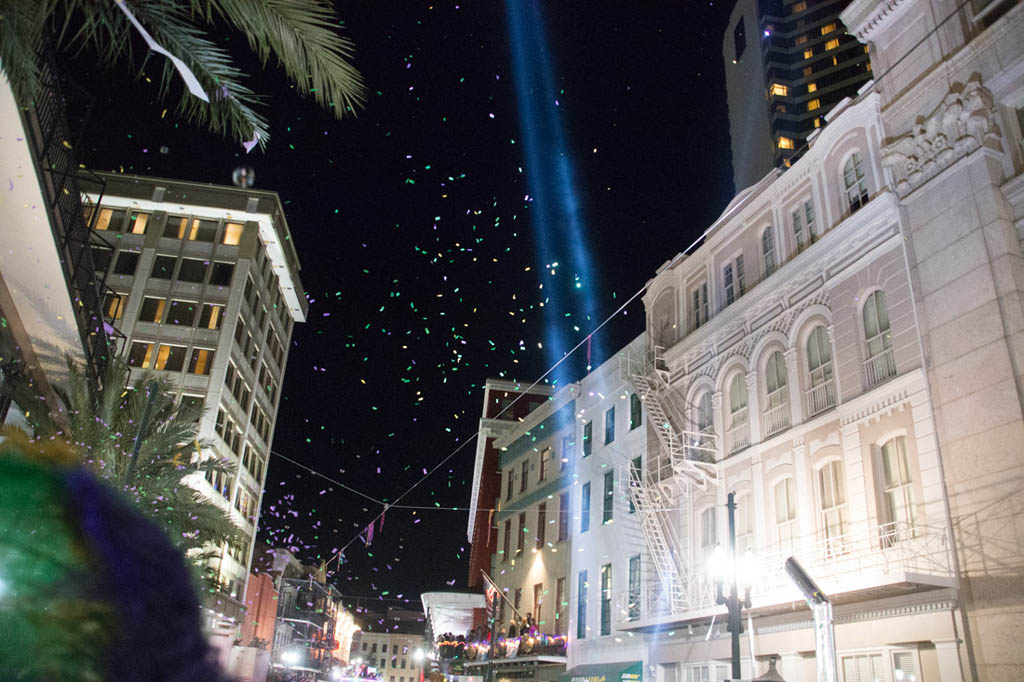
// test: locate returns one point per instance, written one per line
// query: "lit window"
(828, 28)
(812, 87)
(202, 230)
(109, 219)
(201, 362)
(232, 234)
(212, 316)
(808, 53)
(152, 310)
(779, 89)
(137, 223)
(785, 143)
(832, 44)
(114, 305)
(175, 227)
(140, 354)
(814, 104)
(817, 122)
(800, 40)
(170, 358)
(868, 67)
(835, 61)
(799, 7)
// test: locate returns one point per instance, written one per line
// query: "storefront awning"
(627, 671)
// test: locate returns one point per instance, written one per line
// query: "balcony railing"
(869, 557)
(821, 398)
(777, 418)
(738, 436)
(879, 368)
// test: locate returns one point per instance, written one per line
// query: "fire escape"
(686, 458)
(45, 122)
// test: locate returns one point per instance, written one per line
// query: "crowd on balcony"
(520, 637)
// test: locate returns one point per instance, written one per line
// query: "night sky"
(417, 244)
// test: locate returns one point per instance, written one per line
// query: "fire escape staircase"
(686, 458)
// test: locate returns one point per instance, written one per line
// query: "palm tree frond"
(302, 35)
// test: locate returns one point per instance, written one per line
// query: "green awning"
(627, 671)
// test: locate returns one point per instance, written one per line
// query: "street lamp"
(724, 566)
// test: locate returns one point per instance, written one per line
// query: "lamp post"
(724, 567)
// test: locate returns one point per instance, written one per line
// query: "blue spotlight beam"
(558, 226)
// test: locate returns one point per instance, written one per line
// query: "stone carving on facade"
(964, 122)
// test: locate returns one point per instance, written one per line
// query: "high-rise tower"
(787, 63)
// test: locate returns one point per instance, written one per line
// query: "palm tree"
(300, 34)
(103, 427)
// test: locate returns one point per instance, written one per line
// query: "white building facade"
(205, 288)
(843, 352)
(609, 570)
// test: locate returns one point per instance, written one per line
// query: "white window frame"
(858, 183)
(768, 259)
(699, 301)
(733, 279)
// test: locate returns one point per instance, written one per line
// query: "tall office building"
(787, 63)
(205, 289)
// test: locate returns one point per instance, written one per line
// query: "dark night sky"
(384, 259)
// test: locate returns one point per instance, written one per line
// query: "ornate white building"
(843, 351)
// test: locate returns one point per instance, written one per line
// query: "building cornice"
(864, 17)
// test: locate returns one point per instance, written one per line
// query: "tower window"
(779, 89)
(785, 143)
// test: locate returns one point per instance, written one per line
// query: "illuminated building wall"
(206, 290)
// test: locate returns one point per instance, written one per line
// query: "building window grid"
(609, 425)
(521, 540)
(635, 411)
(542, 522)
(588, 438)
(785, 514)
(524, 475)
(563, 517)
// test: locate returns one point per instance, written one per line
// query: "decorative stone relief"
(963, 122)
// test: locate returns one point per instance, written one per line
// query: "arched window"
(785, 514)
(880, 364)
(777, 402)
(738, 435)
(768, 250)
(832, 501)
(705, 417)
(822, 394)
(897, 491)
(854, 182)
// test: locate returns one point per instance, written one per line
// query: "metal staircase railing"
(685, 458)
(691, 453)
(652, 503)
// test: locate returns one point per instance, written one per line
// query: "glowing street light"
(724, 566)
